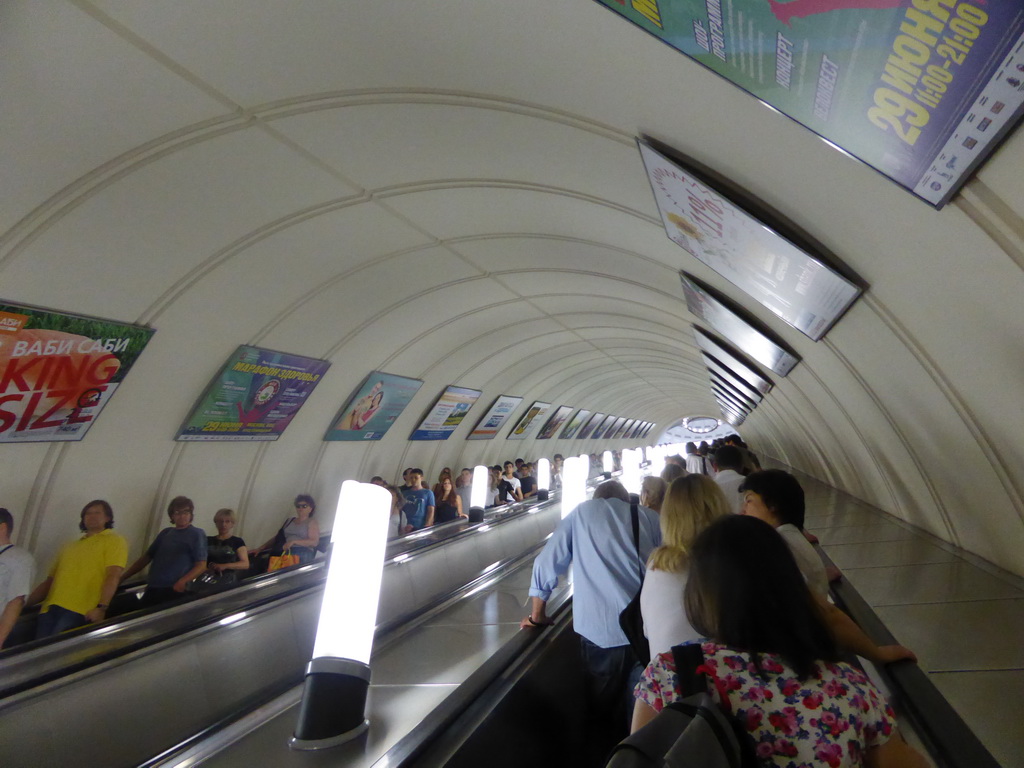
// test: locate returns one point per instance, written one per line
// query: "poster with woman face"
(373, 407)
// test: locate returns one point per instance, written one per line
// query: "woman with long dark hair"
(772, 661)
(449, 505)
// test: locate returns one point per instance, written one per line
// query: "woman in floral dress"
(772, 661)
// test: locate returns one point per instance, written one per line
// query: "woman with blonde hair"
(691, 504)
(226, 554)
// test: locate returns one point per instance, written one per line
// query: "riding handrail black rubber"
(948, 739)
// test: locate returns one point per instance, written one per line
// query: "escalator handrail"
(948, 739)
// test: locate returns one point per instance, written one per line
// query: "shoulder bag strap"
(688, 658)
(6, 548)
(634, 513)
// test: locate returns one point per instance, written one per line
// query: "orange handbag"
(285, 560)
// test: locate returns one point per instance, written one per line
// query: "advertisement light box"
(799, 288)
(754, 342)
(709, 344)
(921, 92)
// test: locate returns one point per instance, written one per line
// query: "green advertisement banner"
(921, 90)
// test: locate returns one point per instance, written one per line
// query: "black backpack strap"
(688, 658)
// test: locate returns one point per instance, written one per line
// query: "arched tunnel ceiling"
(452, 191)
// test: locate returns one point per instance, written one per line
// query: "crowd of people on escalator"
(730, 587)
(184, 562)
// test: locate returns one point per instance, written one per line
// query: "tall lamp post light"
(631, 470)
(543, 479)
(333, 709)
(478, 493)
(574, 483)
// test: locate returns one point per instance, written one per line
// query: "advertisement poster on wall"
(529, 421)
(590, 425)
(373, 407)
(792, 283)
(446, 415)
(624, 430)
(574, 425)
(253, 397)
(615, 429)
(922, 92)
(59, 370)
(604, 427)
(558, 418)
(494, 419)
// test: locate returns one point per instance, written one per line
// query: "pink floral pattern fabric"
(829, 719)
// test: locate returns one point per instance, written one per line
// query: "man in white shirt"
(694, 461)
(777, 498)
(16, 573)
(728, 461)
(510, 478)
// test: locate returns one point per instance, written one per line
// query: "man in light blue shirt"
(597, 539)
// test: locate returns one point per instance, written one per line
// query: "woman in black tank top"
(449, 505)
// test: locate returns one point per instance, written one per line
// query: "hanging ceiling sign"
(709, 344)
(719, 387)
(754, 342)
(921, 92)
(58, 371)
(790, 282)
(723, 399)
(731, 377)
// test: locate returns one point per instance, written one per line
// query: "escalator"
(122, 691)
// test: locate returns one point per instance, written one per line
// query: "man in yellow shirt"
(85, 575)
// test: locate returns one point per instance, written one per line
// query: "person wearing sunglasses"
(299, 534)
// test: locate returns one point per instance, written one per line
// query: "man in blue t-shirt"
(178, 555)
(419, 503)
